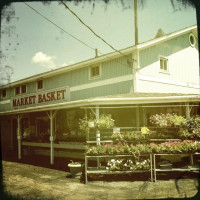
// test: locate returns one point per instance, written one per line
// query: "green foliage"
(104, 122)
(166, 147)
(167, 120)
(127, 164)
(128, 136)
(193, 123)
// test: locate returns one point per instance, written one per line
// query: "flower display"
(128, 136)
(176, 147)
(124, 164)
(104, 122)
(167, 120)
(166, 147)
(193, 123)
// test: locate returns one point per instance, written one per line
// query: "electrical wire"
(94, 32)
(129, 64)
(59, 26)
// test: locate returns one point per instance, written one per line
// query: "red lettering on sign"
(18, 102)
(14, 102)
(53, 96)
(58, 95)
(40, 98)
(44, 98)
(30, 100)
(48, 96)
(33, 97)
(26, 101)
(22, 101)
(63, 93)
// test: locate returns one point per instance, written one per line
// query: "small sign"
(116, 130)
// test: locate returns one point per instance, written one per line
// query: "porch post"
(98, 135)
(97, 132)
(51, 116)
(187, 110)
(19, 136)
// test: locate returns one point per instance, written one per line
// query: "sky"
(31, 44)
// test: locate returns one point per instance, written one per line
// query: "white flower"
(113, 160)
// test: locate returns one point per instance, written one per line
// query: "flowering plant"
(118, 149)
(122, 164)
(104, 122)
(169, 147)
(167, 120)
(128, 136)
(193, 123)
(176, 146)
(178, 120)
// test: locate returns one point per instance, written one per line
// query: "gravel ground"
(33, 182)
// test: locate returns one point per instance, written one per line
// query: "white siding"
(183, 76)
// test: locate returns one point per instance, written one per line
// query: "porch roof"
(120, 99)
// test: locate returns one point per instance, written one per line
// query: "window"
(192, 40)
(17, 90)
(39, 84)
(23, 89)
(94, 72)
(164, 64)
(3, 93)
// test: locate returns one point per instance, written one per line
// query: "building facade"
(131, 85)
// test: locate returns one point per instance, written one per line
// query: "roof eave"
(108, 101)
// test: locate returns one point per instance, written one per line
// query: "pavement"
(35, 182)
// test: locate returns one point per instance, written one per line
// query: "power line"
(58, 26)
(94, 32)
(74, 36)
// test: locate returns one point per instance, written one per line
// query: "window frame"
(19, 90)
(90, 72)
(165, 59)
(2, 92)
(192, 35)
(22, 89)
(37, 84)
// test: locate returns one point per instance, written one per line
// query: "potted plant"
(75, 169)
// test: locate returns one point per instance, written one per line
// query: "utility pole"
(136, 21)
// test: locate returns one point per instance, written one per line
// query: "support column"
(19, 136)
(97, 132)
(51, 116)
(97, 135)
(187, 110)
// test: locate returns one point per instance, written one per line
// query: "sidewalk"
(35, 182)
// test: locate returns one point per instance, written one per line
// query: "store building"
(41, 111)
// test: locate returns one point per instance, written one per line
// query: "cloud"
(67, 64)
(44, 60)
(64, 64)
